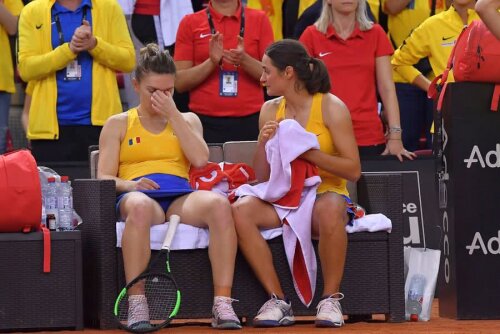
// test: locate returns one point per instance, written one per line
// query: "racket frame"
(165, 249)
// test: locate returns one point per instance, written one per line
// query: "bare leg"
(140, 212)
(329, 220)
(250, 214)
(208, 209)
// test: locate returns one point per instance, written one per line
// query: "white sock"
(137, 309)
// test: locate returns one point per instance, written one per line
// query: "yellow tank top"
(143, 152)
(315, 124)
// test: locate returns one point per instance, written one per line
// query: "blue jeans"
(4, 119)
(416, 112)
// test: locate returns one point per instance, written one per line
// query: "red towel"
(235, 174)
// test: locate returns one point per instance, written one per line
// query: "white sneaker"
(275, 312)
(223, 315)
(329, 311)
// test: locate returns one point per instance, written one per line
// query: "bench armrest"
(94, 200)
(383, 193)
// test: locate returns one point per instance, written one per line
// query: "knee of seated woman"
(330, 208)
(218, 205)
(245, 210)
(330, 203)
(139, 209)
(216, 200)
(242, 205)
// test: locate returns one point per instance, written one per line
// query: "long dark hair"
(153, 60)
(311, 72)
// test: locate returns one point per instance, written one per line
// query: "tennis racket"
(152, 299)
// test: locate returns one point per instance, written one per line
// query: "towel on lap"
(291, 189)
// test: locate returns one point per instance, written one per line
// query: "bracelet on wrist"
(395, 129)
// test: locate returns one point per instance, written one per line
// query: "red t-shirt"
(192, 44)
(351, 65)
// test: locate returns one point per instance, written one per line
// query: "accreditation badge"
(228, 83)
(73, 71)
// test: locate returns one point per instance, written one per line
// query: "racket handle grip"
(172, 226)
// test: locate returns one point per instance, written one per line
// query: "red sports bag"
(21, 198)
(475, 57)
(20, 192)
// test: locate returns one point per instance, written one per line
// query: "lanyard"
(242, 22)
(59, 27)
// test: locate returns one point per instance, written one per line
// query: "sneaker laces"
(331, 304)
(270, 304)
(224, 308)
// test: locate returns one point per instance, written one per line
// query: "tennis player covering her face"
(148, 152)
(303, 85)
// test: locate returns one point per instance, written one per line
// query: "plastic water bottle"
(51, 203)
(416, 296)
(64, 194)
(77, 220)
(43, 219)
(43, 187)
(65, 205)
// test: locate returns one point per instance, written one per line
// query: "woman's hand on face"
(395, 147)
(163, 103)
(267, 131)
(145, 184)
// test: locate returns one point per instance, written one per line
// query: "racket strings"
(138, 309)
(159, 301)
(162, 297)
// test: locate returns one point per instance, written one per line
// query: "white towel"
(370, 223)
(190, 237)
(171, 14)
(280, 153)
(186, 236)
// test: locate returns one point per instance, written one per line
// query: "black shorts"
(72, 145)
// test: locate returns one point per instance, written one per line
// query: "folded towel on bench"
(186, 236)
(190, 237)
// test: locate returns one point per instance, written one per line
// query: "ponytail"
(311, 72)
(319, 81)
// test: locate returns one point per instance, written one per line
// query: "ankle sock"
(138, 310)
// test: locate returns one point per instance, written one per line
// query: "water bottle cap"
(64, 178)
(51, 179)
(414, 317)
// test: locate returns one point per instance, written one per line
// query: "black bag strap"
(433, 7)
(382, 17)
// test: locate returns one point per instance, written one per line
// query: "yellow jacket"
(38, 63)
(6, 68)
(402, 24)
(434, 38)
